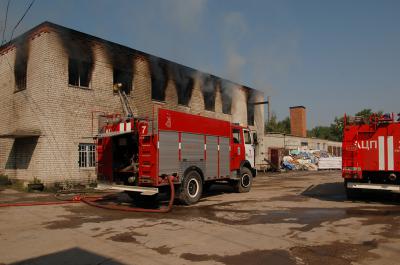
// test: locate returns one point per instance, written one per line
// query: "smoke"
(234, 31)
(186, 15)
(227, 90)
(21, 63)
(208, 87)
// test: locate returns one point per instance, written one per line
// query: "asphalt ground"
(287, 218)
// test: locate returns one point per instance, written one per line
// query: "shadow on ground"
(335, 191)
(72, 256)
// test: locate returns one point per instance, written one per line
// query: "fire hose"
(91, 200)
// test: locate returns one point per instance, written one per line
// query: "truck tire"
(245, 181)
(191, 188)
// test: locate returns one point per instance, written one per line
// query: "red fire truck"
(138, 155)
(371, 154)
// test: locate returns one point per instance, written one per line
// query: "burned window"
(123, 79)
(87, 158)
(185, 88)
(79, 72)
(21, 65)
(250, 114)
(226, 96)
(208, 89)
(159, 78)
(250, 106)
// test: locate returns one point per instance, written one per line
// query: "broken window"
(159, 78)
(87, 156)
(250, 114)
(209, 90)
(250, 106)
(79, 72)
(123, 79)
(226, 96)
(185, 88)
(21, 65)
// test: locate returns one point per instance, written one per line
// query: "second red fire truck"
(139, 155)
(371, 154)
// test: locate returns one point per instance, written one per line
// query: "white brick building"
(53, 80)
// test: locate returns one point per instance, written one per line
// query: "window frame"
(86, 155)
(249, 140)
(79, 68)
(238, 132)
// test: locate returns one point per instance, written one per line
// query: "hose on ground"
(91, 200)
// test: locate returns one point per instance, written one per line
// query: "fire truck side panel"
(211, 157)
(169, 120)
(394, 144)
(192, 147)
(197, 141)
(224, 156)
(168, 149)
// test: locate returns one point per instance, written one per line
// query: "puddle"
(276, 257)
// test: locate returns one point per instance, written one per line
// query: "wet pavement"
(287, 218)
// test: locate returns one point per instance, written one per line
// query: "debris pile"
(310, 160)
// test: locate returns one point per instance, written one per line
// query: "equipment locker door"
(237, 151)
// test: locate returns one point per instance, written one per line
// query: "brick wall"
(63, 113)
(298, 123)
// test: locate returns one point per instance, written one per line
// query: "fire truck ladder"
(125, 103)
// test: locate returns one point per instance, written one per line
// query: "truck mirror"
(255, 140)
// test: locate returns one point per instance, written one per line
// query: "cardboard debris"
(310, 160)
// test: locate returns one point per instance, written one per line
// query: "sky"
(330, 56)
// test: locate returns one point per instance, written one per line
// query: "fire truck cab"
(137, 155)
(371, 154)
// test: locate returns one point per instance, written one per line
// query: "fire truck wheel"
(245, 181)
(191, 188)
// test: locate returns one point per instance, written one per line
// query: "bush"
(4, 180)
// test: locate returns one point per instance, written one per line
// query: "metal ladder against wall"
(125, 103)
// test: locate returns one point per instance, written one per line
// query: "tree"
(278, 126)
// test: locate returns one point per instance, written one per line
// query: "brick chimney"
(298, 122)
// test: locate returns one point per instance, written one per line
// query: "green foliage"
(278, 126)
(333, 132)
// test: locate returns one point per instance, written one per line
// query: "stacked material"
(310, 160)
(330, 163)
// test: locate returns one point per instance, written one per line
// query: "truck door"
(104, 159)
(237, 148)
(249, 147)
